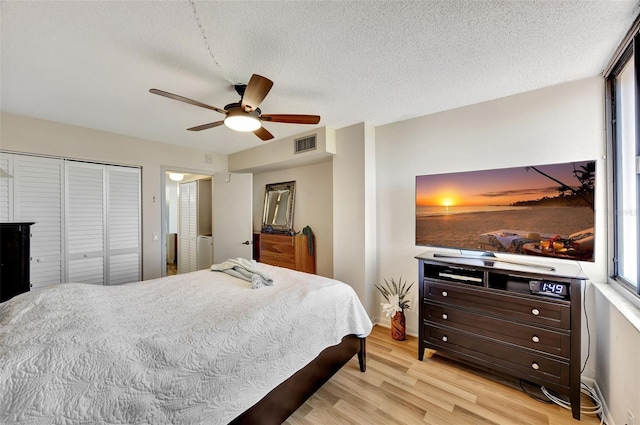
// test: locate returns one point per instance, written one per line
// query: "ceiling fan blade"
(255, 92)
(206, 126)
(291, 118)
(186, 100)
(263, 133)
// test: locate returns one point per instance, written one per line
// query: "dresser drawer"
(511, 307)
(287, 251)
(535, 338)
(278, 250)
(497, 355)
(278, 259)
(281, 243)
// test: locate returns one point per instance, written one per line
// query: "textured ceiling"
(92, 63)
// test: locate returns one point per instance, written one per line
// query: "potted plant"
(396, 295)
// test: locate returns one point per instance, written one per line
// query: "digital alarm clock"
(545, 287)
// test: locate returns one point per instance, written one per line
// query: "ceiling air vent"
(305, 144)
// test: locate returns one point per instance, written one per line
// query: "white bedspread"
(195, 348)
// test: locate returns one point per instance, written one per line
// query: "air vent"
(305, 144)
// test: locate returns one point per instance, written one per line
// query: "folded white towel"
(244, 269)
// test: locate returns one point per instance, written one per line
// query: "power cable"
(206, 43)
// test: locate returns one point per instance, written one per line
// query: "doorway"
(178, 243)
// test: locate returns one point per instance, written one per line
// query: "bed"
(200, 347)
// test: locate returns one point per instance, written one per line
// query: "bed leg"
(362, 355)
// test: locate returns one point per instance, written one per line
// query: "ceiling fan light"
(239, 120)
(176, 177)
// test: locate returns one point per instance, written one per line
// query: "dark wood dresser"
(520, 320)
(15, 246)
(291, 252)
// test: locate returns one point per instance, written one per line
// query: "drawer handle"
(535, 338)
(535, 366)
(444, 293)
(444, 316)
(445, 339)
(535, 312)
(86, 255)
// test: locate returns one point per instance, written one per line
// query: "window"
(622, 89)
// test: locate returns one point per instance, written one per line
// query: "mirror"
(278, 207)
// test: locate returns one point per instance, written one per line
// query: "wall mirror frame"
(279, 202)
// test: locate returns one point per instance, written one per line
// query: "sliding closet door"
(87, 218)
(123, 224)
(85, 222)
(31, 190)
(38, 197)
(103, 223)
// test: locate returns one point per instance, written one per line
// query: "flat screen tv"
(541, 210)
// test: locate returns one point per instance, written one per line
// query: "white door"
(123, 225)
(183, 227)
(187, 228)
(232, 216)
(38, 197)
(85, 223)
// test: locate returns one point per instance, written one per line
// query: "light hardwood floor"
(397, 388)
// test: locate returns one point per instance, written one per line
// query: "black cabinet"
(521, 320)
(14, 259)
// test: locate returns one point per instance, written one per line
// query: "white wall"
(616, 353)
(313, 206)
(354, 212)
(31, 135)
(280, 154)
(558, 124)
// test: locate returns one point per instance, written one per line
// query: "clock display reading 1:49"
(553, 288)
(548, 288)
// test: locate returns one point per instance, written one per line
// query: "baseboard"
(590, 382)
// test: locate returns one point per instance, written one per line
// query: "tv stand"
(504, 316)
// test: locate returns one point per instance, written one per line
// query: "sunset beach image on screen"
(544, 210)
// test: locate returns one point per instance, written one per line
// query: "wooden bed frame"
(282, 401)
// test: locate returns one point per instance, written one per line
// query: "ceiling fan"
(245, 115)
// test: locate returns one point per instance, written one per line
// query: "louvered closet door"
(123, 224)
(38, 197)
(6, 187)
(193, 228)
(187, 228)
(85, 219)
(183, 227)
